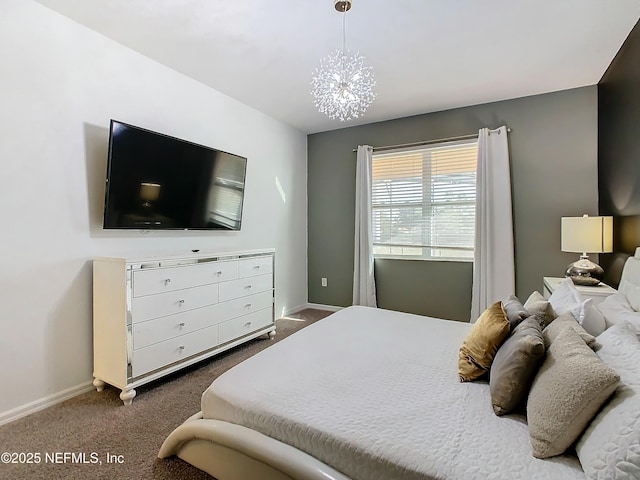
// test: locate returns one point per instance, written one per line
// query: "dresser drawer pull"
(248, 324)
(256, 267)
(181, 347)
(180, 302)
(219, 272)
(248, 287)
(181, 324)
(248, 305)
(167, 281)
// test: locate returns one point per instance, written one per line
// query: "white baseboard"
(45, 402)
(319, 306)
(316, 306)
(292, 310)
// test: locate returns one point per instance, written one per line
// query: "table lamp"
(586, 235)
(149, 192)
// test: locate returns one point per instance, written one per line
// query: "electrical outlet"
(324, 282)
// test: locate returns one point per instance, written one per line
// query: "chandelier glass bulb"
(343, 85)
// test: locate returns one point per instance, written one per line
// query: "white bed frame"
(231, 452)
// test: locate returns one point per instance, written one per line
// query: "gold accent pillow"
(482, 342)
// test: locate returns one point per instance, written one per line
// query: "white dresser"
(155, 315)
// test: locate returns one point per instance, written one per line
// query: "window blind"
(423, 200)
(225, 202)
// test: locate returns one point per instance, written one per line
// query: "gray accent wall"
(553, 152)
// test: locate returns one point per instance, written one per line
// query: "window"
(423, 201)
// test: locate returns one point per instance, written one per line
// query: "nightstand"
(597, 293)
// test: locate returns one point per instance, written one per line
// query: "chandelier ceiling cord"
(343, 85)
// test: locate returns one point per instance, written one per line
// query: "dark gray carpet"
(75, 439)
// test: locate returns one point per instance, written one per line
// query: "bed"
(368, 394)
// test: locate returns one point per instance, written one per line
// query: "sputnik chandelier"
(343, 85)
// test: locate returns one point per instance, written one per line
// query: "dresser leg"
(99, 384)
(272, 334)
(127, 396)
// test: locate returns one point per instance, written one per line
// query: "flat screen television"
(155, 181)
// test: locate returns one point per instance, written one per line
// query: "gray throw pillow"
(563, 322)
(514, 310)
(515, 365)
(568, 390)
(541, 308)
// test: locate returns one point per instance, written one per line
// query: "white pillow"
(610, 446)
(616, 309)
(566, 298)
(632, 293)
(593, 321)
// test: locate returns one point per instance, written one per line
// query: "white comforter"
(375, 394)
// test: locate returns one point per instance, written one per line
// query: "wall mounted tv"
(155, 181)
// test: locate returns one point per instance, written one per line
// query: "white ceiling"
(427, 55)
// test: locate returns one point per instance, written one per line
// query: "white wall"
(60, 83)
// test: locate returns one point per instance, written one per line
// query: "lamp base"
(584, 272)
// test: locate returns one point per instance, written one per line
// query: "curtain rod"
(426, 142)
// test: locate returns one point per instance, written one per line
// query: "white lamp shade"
(149, 191)
(587, 234)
